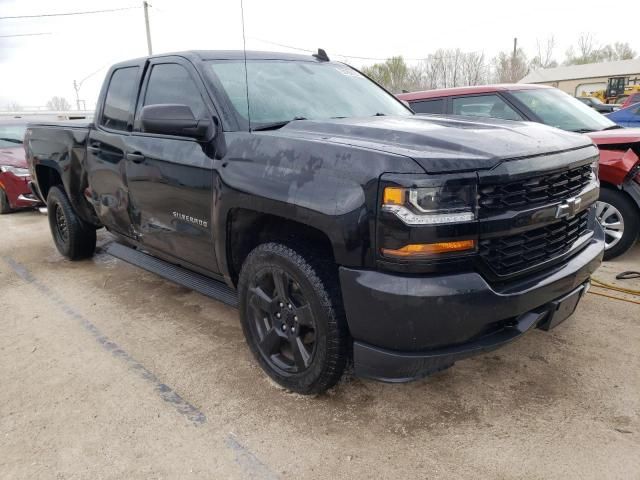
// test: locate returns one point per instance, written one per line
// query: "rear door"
(106, 150)
(170, 178)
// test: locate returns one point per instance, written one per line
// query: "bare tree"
(474, 71)
(544, 58)
(453, 68)
(58, 103)
(586, 45)
(624, 51)
(588, 52)
(14, 106)
(395, 75)
(510, 68)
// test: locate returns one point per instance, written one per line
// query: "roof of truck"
(226, 55)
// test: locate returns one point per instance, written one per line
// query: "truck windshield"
(11, 135)
(281, 90)
(561, 110)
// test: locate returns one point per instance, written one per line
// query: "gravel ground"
(108, 371)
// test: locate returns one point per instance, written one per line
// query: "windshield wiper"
(583, 130)
(12, 140)
(380, 114)
(611, 127)
(276, 125)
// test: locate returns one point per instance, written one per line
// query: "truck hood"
(612, 137)
(13, 157)
(441, 143)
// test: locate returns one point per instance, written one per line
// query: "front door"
(170, 178)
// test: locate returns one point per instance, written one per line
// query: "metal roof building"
(579, 79)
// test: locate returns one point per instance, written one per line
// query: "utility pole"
(76, 87)
(515, 47)
(145, 5)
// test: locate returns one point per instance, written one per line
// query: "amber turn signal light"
(393, 196)
(426, 249)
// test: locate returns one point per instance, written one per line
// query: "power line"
(66, 14)
(25, 35)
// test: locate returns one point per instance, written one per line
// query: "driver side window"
(171, 83)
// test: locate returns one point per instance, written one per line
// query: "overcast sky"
(35, 68)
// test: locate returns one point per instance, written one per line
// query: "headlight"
(595, 168)
(18, 172)
(431, 205)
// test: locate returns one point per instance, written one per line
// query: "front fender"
(330, 187)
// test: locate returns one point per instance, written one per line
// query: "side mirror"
(173, 119)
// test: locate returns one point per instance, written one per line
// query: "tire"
(4, 203)
(619, 218)
(74, 238)
(292, 317)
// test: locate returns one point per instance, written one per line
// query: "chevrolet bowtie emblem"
(569, 208)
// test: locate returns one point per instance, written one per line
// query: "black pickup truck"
(344, 227)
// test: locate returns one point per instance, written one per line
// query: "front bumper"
(406, 327)
(18, 191)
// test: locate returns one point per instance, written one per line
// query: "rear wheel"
(4, 203)
(618, 217)
(292, 319)
(74, 238)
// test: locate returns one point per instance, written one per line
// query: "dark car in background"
(598, 105)
(15, 193)
(619, 202)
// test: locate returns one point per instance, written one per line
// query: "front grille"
(533, 191)
(509, 255)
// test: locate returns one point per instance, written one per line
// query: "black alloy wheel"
(292, 316)
(282, 321)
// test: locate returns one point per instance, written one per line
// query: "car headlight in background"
(431, 205)
(18, 172)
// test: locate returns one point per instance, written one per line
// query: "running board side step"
(207, 286)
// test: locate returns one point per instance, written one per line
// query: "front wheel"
(74, 238)
(5, 207)
(618, 217)
(292, 319)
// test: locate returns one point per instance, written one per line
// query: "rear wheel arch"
(47, 177)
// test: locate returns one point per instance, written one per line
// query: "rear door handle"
(135, 157)
(93, 149)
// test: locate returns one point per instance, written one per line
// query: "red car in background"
(630, 100)
(618, 208)
(15, 192)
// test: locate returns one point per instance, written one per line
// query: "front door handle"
(135, 157)
(93, 149)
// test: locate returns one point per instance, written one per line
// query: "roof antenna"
(244, 53)
(321, 55)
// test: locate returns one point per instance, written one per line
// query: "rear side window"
(428, 106)
(120, 100)
(171, 83)
(484, 106)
